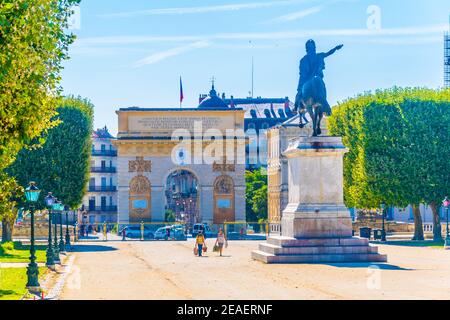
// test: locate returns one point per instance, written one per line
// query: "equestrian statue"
(311, 91)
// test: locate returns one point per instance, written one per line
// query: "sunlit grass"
(17, 252)
(13, 282)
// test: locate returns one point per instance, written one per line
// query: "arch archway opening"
(182, 198)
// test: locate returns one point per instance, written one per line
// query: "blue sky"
(132, 53)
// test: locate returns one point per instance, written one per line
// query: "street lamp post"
(67, 228)
(49, 200)
(32, 195)
(383, 229)
(446, 204)
(62, 246)
(56, 258)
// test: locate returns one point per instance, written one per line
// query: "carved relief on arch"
(139, 199)
(224, 199)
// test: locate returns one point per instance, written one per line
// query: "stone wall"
(40, 230)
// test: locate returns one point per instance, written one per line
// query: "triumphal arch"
(187, 163)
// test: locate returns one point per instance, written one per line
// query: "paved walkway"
(169, 270)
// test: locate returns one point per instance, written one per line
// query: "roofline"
(137, 109)
(255, 100)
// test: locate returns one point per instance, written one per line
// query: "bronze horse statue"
(313, 101)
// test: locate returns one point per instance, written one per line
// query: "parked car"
(204, 227)
(134, 232)
(179, 232)
(161, 233)
(176, 233)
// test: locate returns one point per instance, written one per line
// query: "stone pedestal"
(316, 226)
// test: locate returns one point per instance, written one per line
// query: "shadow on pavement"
(92, 248)
(412, 243)
(381, 266)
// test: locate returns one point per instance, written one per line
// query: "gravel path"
(169, 270)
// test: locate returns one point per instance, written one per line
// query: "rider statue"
(312, 65)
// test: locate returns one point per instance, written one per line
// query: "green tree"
(62, 164)
(169, 216)
(10, 196)
(256, 195)
(33, 45)
(398, 139)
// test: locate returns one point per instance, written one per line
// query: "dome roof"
(213, 101)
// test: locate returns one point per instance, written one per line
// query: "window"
(91, 203)
(103, 203)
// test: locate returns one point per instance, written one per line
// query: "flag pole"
(181, 93)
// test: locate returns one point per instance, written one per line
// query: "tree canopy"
(256, 195)
(62, 165)
(33, 45)
(399, 141)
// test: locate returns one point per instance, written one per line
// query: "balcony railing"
(103, 209)
(104, 169)
(102, 188)
(105, 153)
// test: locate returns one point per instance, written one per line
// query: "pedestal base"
(331, 250)
(326, 222)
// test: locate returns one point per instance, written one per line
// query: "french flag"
(181, 92)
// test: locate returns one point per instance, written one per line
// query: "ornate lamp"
(66, 208)
(62, 246)
(32, 195)
(383, 230)
(446, 204)
(32, 192)
(49, 201)
(56, 207)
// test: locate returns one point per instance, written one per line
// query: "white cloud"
(159, 56)
(204, 9)
(293, 34)
(298, 14)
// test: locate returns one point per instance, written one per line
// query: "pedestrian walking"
(220, 242)
(200, 243)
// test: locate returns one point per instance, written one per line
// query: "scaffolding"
(447, 60)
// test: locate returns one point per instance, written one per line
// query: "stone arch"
(140, 199)
(224, 202)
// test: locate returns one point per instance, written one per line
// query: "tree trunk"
(7, 230)
(418, 226)
(437, 227)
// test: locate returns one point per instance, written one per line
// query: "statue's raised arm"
(332, 51)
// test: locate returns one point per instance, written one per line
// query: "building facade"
(261, 114)
(100, 202)
(278, 139)
(184, 162)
